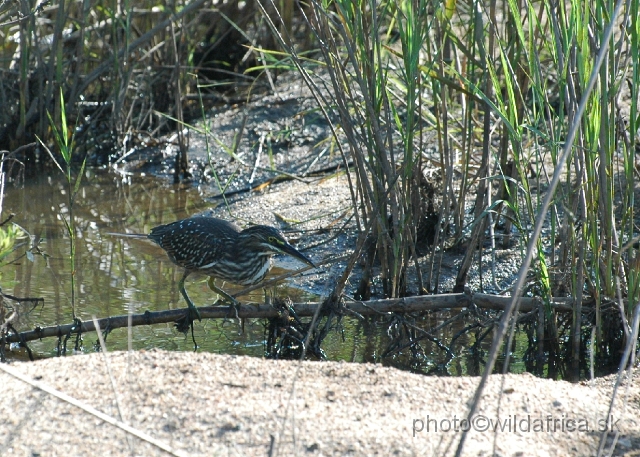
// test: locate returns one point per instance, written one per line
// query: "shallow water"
(114, 274)
(117, 274)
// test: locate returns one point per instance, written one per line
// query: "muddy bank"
(208, 404)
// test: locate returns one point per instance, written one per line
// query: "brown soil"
(208, 404)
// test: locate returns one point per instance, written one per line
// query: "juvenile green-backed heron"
(221, 250)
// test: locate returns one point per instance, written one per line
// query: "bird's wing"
(196, 243)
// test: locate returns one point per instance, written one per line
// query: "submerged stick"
(262, 311)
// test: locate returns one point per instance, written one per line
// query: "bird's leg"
(193, 311)
(234, 303)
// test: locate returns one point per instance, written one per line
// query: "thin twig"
(91, 410)
(103, 346)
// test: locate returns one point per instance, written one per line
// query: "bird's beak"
(293, 252)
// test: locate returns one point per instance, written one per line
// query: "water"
(115, 274)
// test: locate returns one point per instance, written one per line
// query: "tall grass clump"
(382, 134)
(122, 67)
(496, 88)
(592, 217)
(377, 107)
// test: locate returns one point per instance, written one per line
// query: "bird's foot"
(234, 307)
(185, 323)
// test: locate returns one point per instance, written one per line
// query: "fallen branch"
(257, 311)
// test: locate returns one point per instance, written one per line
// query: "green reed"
(64, 140)
(497, 84)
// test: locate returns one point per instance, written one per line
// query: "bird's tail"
(141, 236)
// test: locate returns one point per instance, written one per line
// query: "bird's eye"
(274, 241)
